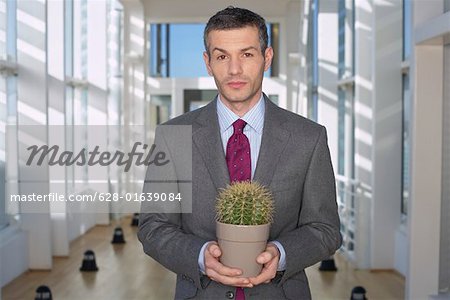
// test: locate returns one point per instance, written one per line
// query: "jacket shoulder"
(297, 123)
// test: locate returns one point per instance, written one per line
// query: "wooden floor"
(125, 272)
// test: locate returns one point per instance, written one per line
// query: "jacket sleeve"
(160, 227)
(317, 235)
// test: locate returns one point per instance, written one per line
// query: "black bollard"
(358, 293)
(135, 220)
(118, 236)
(43, 292)
(328, 265)
(89, 264)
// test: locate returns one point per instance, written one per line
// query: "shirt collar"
(254, 117)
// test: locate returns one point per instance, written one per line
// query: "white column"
(56, 121)
(364, 14)
(32, 110)
(301, 104)
(328, 75)
(115, 60)
(97, 99)
(386, 131)
(133, 91)
(444, 274)
(292, 28)
(424, 208)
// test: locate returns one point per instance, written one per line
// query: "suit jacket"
(294, 162)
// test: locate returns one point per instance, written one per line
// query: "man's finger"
(226, 280)
(224, 270)
(266, 275)
(264, 257)
(219, 268)
(212, 262)
(214, 249)
(270, 261)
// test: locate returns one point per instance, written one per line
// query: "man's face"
(237, 64)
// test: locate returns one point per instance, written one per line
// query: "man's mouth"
(236, 84)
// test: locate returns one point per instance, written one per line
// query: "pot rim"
(245, 226)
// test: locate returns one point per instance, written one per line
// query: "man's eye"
(221, 57)
(248, 54)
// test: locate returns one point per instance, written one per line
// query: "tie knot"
(239, 125)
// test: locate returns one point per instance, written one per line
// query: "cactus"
(245, 203)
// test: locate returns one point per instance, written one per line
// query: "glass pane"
(2, 29)
(79, 39)
(446, 5)
(194, 99)
(274, 98)
(341, 39)
(406, 145)
(313, 63)
(406, 28)
(3, 108)
(162, 105)
(341, 132)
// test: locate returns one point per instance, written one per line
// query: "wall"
(444, 268)
(429, 25)
(13, 254)
(386, 131)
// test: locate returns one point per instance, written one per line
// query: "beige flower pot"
(241, 245)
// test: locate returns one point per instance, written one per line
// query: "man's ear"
(268, 55)
(206, 59)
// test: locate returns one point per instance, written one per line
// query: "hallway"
(125, 272)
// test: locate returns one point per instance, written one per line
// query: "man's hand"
(220, 273)
(269, 259)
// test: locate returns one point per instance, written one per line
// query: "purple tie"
(239, 165)
(238, 154)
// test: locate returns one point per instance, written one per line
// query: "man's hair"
(235, 18)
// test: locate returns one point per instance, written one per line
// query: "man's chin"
(236, 98)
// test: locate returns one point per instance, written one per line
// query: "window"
(3, 105)
(162, 105)
(8, 109)
(75, 56)
(346, 116)
(80, 94)
(406, 181)
(406, 29)
(406, 111)
(346, 89)
(313, 62)
(341, 91)
(194, 99)
(176, 50)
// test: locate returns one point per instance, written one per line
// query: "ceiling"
(200, 10)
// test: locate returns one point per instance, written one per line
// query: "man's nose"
(235, 66)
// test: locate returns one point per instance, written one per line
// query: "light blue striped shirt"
(253, 130)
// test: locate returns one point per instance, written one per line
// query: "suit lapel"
(274, 140)
(207, 139)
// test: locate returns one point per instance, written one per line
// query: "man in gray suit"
(289, 154)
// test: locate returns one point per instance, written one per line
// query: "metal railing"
(354, 203)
